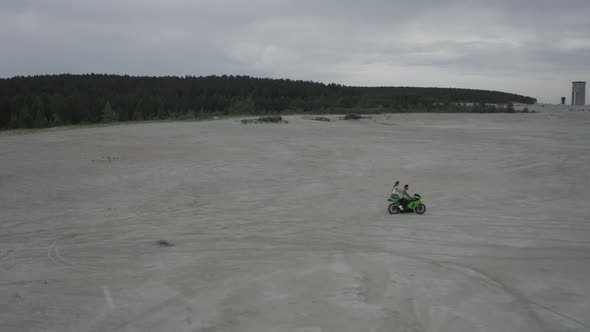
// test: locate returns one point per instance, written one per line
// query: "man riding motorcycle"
(405, 203)
(405, 197)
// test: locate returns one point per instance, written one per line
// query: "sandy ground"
(284, 227)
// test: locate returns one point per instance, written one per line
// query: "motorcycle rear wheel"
(393, 208)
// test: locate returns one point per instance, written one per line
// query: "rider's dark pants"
(404, 202)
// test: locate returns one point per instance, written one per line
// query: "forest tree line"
(53, 100)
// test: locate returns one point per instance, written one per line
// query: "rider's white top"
(404, 194)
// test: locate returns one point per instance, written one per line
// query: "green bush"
(241, 107)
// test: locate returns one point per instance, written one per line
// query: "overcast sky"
(531, 47)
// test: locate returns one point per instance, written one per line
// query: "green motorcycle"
(415, 205)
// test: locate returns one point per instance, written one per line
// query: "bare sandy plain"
(284, 227)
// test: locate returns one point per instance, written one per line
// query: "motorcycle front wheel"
(393, 209)
(420, 209)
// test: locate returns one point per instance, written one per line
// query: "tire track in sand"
(54, 255)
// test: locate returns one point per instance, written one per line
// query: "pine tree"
(39, 119)
(56, 120)
(138, 114)
(108, 115)
(24, 119)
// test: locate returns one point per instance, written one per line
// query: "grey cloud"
(532, 47)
